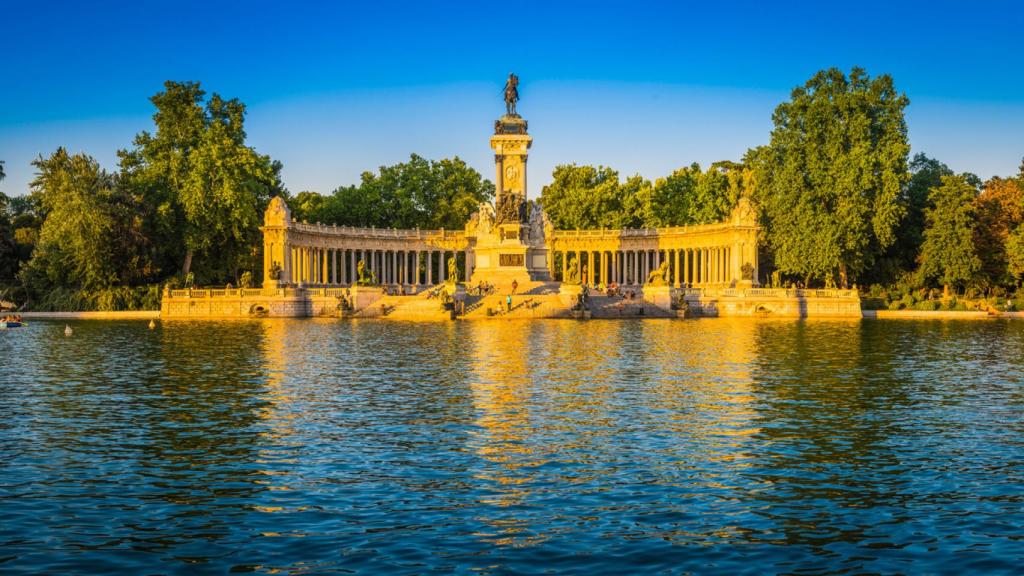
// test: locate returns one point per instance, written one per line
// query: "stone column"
(686, 267)
(465, 265)
(286, 264)
(430, 271)
(678, 279)
(704, 267)
(565, 264)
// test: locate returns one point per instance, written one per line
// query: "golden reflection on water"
(551, 390)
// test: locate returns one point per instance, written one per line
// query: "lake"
(602, 447)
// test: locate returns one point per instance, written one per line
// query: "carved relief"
(277, 213)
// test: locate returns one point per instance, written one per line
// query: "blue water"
(336, 447)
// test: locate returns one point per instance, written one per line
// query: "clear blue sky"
(335, 88)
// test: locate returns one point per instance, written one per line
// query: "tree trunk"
(945, 291)
(842, 276)
(187, 266)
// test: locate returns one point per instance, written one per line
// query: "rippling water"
(595, 447)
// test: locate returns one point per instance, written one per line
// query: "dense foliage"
(589, 197)
(948, 252)
(829, 183)
(419, 193)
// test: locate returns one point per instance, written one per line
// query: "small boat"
(11, 324)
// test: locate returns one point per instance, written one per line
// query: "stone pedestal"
(506, 249)
(363, 296)
(660, 296)
(569, 294)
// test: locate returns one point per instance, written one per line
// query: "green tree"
(829, 183)
(202, 190)
(80, 243)
(1015, 254)
(420, 193)
(925, 174)
(8, 260)
(589, 197)
(693, 196)
(307, 206)
(947, 253)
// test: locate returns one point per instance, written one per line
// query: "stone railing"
(235, 292)
(773, 292)
(641, 232)
(348, 231)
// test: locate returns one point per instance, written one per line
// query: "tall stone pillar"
(323, 265)
(430, 268)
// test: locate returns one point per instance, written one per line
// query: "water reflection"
(501, 447)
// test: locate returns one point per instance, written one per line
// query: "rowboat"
(7, 324)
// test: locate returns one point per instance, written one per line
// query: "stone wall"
(774, 302)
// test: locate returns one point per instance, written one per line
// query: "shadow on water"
(504, 447)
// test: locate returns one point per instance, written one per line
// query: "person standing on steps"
(515, 286)
(508, 302)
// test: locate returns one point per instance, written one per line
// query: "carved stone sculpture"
(453, 270)
(572, 274)
(511, 94)
(658, 276)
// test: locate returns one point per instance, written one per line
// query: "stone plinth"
(660, 296)
(363, 296)
(569, 294)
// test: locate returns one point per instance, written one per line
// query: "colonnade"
(339, 267)
(687, 267)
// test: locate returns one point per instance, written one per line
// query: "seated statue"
(658, 276)
(572, 274)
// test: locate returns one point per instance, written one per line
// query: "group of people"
(12, 318)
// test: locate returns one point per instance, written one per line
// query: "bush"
(118, 298)
(928, 305)
(873, 304)
(907, 301)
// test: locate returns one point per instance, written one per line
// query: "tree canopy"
(420, 193)
(89, 238)
(594, 197)
(948, 252)
(829, 183)
(203, 189)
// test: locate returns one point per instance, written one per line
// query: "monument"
(510, 237)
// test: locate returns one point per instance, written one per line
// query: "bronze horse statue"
(511, 94)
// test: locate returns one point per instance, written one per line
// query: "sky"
(334, 89)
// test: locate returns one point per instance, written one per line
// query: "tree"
(692, 196)
(589, 197)
(201, 188)
(925, 173)
(307, 206)
(79, 244)
(948, 253)
(1000, 210)
(829, 182)
(420, 193)
(1015, 254)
